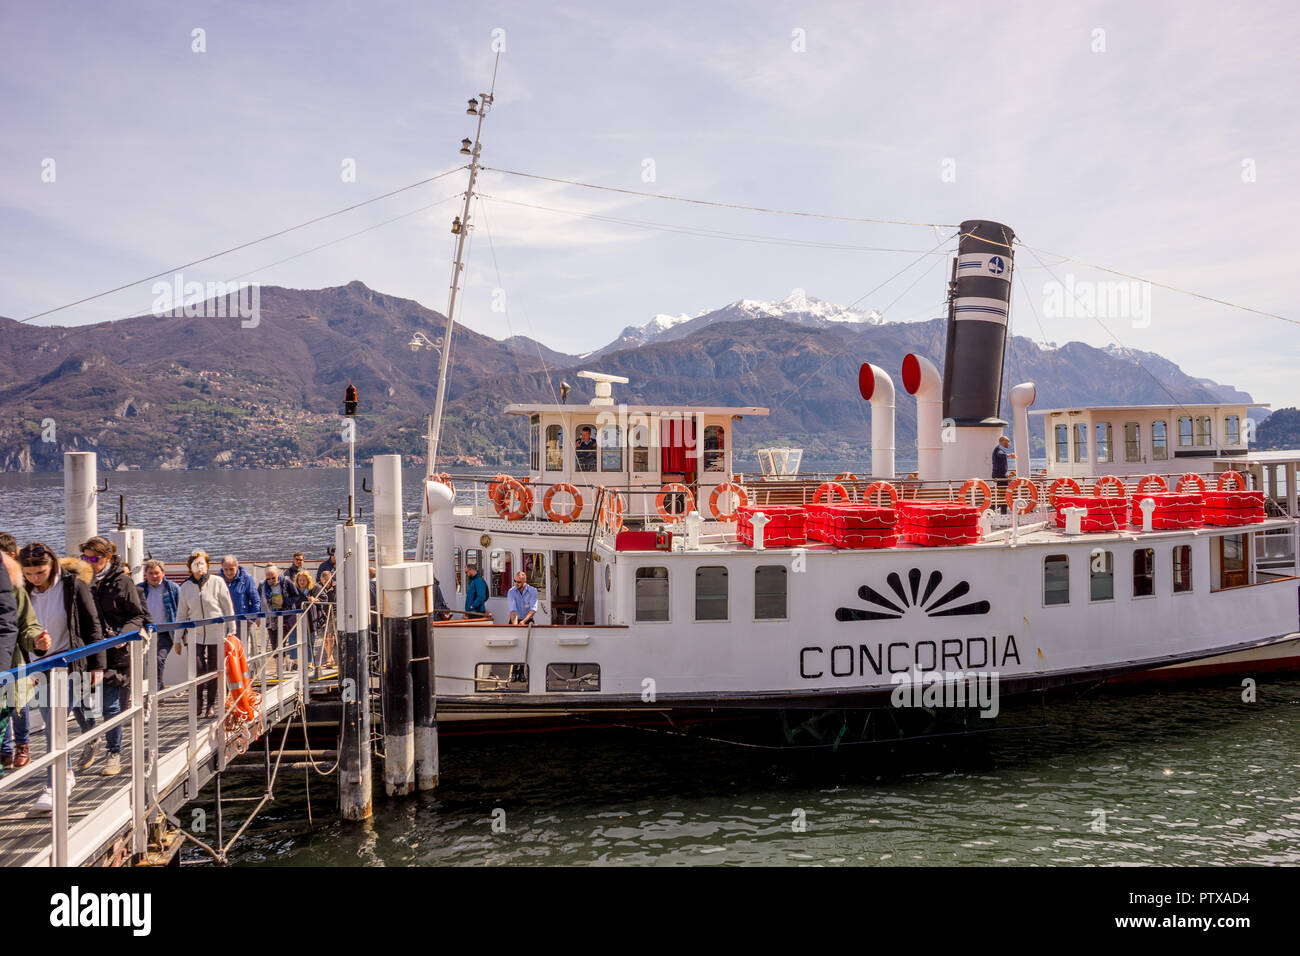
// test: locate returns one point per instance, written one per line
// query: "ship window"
(638, 439)
(1062, 442)
(572, 677)
(652, 594)
(584, 448)
(500, 569)
(535, 568)
(1203, 436)
(1185, 431)
(1159, 441)
(611, 448)
(554, 448)
(535, 444)
(1105, 451)
(1182, 568)
(1056, 579)
(1144, 572)
(1101, 576)
(1232, 430)
(1132, 442)
(770, 592)
(501, 677)
(1232, 569)
(1081, 442)
(457, 558)
(715, 456)
(711, 594)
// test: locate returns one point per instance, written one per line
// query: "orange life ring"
(1142, 485)
(868, 496)
(611, 512)
(1018, 504)
(846, 476)
(828, 488)
(985, 492)
(562, 517)
(1190, 478)
(494, 486)
(674, 488)
(446, 480)
(1104, 482)
(1060, 483)
(1239, 483)
(241, 702)
(736, 490)
(513, 488)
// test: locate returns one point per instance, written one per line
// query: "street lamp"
(421, 341)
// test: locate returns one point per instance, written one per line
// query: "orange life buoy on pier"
(563, 517)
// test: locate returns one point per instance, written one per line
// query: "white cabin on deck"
(1140, 439)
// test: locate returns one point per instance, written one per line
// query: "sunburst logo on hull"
(933, 600)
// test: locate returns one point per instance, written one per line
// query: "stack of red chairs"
(939, 523)
(1103, 514)
(861, 526)
(785, 529)
(1231, 508)
(1172, 510)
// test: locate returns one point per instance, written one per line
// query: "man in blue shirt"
(523, 600)
(476, 593)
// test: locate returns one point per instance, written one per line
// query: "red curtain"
(675, 437)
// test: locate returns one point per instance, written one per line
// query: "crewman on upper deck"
(1000, 470)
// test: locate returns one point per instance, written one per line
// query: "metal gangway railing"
(170, 749)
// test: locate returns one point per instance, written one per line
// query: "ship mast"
(459, 228)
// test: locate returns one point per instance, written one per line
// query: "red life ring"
(1060, 483)
(611, 512)
(1099, 487)
(521, 494)
(985, 493)
(674, 488)
(735, 489)
(494, 486)
(868, 496)
(1239, 483)
(827, 488)
(562, 517)
(1142, 485)
(1190, 478)
(1018, 504)
(846, 476)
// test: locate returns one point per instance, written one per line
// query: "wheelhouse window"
(584, 448)
(500, 570)
(535, 444)
(638, 439)
(1159, 441)
(1081, 442)
(1144, 572)
(555, 448)
(711, 594)
(1132, 442)
(1101, 576)
(1105, 450)
(1182, 568)
(1056, 579)
(1232, 430)
(715, 455)
(1062, 442)
(1203, 433)
(652, 594)
(1185, 431)
(535, 568)
(770, 592)
(611, 448)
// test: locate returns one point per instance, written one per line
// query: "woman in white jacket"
(204, 596)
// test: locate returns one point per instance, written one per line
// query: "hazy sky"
(1161, 139)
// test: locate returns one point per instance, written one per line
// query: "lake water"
(1187, 775)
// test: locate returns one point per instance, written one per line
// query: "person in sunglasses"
(120, 611)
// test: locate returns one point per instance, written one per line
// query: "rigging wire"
(723, 205)
(242, 245)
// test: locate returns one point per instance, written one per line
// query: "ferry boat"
(1156, 544)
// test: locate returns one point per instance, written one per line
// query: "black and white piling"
(395, 629)
(353, 593)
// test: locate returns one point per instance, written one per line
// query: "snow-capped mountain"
(798, 308)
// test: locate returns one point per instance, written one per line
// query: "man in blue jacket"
(160, 596)
(243, 592)
(476, 592)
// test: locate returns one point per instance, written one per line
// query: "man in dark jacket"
(1000, 470)
(160, 598)
(243, 592)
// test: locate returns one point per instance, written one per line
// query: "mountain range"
(175, 391)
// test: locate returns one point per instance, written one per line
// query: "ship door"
(568, 571)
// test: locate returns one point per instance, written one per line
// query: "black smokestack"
(979, 304)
